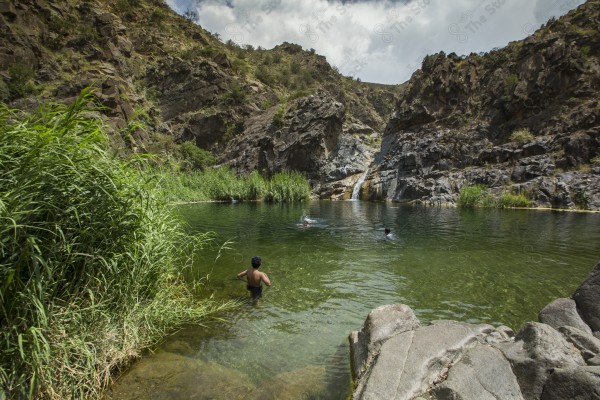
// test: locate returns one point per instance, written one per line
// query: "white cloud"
(378, 41)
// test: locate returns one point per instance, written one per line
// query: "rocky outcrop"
(307, 136)
(393, 356)
(521, 120)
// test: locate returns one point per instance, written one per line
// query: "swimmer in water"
(254, 278)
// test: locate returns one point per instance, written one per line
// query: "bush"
(522, 136)
(512, 200)
(279, 114)
(288, 187)
(90, 258)
(20, 83)
(195, 157)
(472, 196)
(236, 95)
(263, 75)
(479, 196)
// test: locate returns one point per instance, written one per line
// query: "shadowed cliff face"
(522, 119)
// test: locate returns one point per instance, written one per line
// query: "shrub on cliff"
(522, 136)
(472, 196)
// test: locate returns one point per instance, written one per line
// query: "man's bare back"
(254, 278)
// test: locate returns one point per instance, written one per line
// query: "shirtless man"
(254, 278)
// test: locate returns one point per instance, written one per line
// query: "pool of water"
(482, 266)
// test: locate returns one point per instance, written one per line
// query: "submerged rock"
(166, 376)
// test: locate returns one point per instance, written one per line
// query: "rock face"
(307, 136)
(523, 119)
(394, 357)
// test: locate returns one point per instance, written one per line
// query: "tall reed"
(90, 257)
(222, 184)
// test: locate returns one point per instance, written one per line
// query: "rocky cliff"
(522, 119)
(163, 80)
(395, 357)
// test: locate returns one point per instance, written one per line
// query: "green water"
(482, 266)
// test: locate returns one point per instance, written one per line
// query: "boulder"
(483, 374)
(587, 297)
(563, 312)
(573, 383)
(538, 348)
(584, 341)
(381, 324)
(410, 362)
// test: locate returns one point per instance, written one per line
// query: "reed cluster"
(91, 259)
(480, 196)
(222, 184)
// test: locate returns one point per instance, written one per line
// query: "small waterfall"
(358, 185)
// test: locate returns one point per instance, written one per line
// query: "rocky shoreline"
(394, 356)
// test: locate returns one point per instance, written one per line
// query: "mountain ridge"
(164, 81)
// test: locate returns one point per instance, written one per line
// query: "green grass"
(222, 184)
(508, 200)
(472, 196)
(480, 196)
(91, 259)
(522, 136)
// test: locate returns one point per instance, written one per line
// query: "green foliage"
(263, 75)
(512, 200)
(236, 95)
(472, 196)
(479, 196)
(20, 83)
(4, 91)
(294, 67)
(428, 62)
(279, 114)
(193, 157)
(222, 184)
(90, 258)
(299, 93)
(288, 187)
(581, 199)
(522, 136)
(239, 66)
(585, 51)
(510, 82)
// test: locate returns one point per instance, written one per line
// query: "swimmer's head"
(388, 231)
(256, 261)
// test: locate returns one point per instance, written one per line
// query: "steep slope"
(523, 119)
(164, 80)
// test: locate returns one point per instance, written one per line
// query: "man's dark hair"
(256, 261)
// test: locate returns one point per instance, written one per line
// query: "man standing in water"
(254, 278)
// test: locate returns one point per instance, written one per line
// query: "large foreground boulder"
(395, 357)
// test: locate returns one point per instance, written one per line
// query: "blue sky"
(379, 40)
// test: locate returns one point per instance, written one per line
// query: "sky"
(381, 41)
